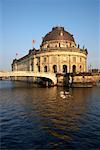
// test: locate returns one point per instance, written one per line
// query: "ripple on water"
(38, 118)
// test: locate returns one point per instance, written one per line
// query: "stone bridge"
(51, 76)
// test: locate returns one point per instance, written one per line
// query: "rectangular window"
(44, 59)
(74, 59)
(38, 59)
(64, 58)
(54, 59)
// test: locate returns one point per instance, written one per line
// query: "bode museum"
(58, 54)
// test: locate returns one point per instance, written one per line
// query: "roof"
(58, 33)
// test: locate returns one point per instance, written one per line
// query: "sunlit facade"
(58, 53)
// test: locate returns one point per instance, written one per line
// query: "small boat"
(65, 94)
(62, 95)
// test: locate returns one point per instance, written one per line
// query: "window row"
(65, 68)
(65, 58)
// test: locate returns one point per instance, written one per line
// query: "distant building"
(58, 53)
(94, 70)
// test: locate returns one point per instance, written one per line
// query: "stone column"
(35, 64)
(69, 64)
(41, 64)
(59, 64)
(48, 66)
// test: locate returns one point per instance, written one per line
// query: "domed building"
(61, 54)
(58, 53)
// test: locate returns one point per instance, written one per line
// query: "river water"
(38, 118)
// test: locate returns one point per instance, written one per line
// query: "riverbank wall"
(86, 78)
(80, 79)
(65, 79)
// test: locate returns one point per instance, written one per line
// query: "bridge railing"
(49, 75)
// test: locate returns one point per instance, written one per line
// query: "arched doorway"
(64, 68)
(74, 69)
(45, 69)
(38, 68)
(80, 68)
(55, 68)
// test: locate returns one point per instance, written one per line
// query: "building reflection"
(59, 115)
(52, 114)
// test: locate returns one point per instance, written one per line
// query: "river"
(34, 117)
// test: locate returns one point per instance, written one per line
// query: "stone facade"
(58, 53)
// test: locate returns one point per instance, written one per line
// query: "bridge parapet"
(48, 75)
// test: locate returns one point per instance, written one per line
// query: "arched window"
(80, 68)
(55, 68)
(64, 69)
(73, 68)
(45, 69)
(38, 68)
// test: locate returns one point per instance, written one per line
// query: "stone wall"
(86, 79)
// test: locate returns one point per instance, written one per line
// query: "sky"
(22, 21)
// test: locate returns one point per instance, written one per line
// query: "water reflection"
(60, 115)
(38, 118)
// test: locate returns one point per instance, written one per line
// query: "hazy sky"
(21, 21)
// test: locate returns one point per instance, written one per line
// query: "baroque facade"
(58, 53)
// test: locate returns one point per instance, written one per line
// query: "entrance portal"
(64, 69)
(55, 68)
(74, 69)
